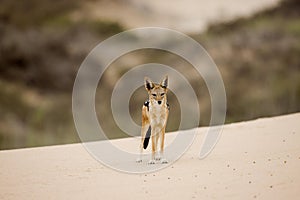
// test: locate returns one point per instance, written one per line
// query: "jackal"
(155, 113)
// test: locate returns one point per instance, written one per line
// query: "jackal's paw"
(163, 161)
(151, 162)
(138, 160)
(157, 158)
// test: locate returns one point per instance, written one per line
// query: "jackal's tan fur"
(154, 117)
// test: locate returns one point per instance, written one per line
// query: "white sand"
(257, 159)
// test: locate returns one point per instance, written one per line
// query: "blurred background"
(255, 44)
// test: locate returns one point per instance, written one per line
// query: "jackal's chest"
(158, 115)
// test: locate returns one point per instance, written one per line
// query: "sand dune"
(258, 159)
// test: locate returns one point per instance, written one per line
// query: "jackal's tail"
(147, 138)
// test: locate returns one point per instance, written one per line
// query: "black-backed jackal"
(155, 113)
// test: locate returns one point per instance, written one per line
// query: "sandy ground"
(188, 16)
(258, 159)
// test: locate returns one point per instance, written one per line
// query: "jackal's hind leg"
(144, 130)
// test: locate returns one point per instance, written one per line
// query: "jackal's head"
(157, 92)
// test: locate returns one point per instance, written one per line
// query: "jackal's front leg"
(162, 143)
(157, 154)
(153, 139)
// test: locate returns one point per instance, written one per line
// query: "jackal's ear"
(164, 82)
(148, 83)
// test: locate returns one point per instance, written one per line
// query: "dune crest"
(255, 159)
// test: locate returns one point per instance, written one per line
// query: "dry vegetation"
(259, 59)
(40, 52)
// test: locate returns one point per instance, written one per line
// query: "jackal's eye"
(154, 95)
(162, 94)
